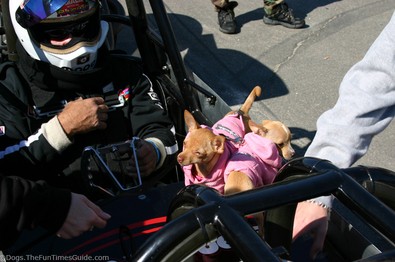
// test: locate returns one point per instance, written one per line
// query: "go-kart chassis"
(364, 198)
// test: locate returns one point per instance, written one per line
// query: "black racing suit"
(28, 143)
(25, 204)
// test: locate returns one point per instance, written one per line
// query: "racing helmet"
(64, 33)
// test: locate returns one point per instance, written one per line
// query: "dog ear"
(262, 131)
(253, 126)
(190, 121)
(218, 144)
(264, 122)
(257, 129)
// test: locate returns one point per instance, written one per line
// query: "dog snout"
(289, 153)
(180, 159)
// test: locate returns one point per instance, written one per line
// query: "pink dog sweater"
(258, 157)
(232, 127)
(216, 177)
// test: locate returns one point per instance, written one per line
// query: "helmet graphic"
(64, 33)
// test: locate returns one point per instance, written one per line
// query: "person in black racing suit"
(67, 91)
(25, 204)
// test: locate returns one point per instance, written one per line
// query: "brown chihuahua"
(278, 133)
(206, 151)
(203, 146)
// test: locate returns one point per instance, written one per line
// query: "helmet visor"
(82, 28)
(31, 12)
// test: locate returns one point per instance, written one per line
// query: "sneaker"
(282, 15)
(226, 18)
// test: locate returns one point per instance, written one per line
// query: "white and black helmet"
(64, 33)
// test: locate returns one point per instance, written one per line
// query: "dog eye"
(281, 145)
(197, 153)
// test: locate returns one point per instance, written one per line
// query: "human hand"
(146, 157)
(312, 219)
(83, 216)
(83, 115)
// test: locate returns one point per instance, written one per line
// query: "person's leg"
(226, 15)
(277, 12)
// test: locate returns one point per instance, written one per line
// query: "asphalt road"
(299, 69)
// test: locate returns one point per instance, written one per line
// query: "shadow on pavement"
(230, 73)
(301, 139)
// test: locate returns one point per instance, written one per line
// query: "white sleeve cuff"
(55, 135)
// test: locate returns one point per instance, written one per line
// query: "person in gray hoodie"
(365, 107)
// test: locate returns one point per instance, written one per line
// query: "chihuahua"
(211, 159)
(277, 132)
(206, 150)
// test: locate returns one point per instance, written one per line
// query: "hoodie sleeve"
(365, 107)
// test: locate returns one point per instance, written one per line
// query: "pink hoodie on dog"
(258, 157)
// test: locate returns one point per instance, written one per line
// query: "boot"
(226, 18)
(282, 15)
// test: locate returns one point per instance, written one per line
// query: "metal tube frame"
(226, 214)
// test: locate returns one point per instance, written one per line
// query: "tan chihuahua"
(205, 153)
(203, 147)
(204, 158)
(278, 133)
(271, 129)
(209, 159)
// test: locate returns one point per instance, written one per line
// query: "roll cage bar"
(201, 210)
(200, 213)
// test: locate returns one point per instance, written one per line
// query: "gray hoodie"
(365, 107)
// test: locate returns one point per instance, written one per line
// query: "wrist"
(158, 154)
(161, 151)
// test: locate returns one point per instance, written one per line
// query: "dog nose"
(292, 152)
(180, 159)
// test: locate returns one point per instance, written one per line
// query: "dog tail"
(245, 108)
